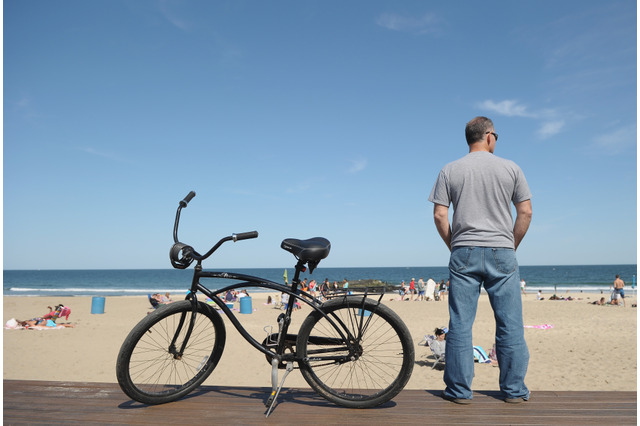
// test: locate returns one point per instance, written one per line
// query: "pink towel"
(542, 327)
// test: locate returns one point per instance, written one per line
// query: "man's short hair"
(477, 128)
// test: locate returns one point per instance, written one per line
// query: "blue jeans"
(496, 269)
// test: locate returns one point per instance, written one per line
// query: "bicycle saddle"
(312, 250)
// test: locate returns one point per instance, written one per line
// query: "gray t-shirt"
(481, 187)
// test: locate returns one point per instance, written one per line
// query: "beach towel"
(541, 327)
(41, 327)
(481, 355)
(12, 324)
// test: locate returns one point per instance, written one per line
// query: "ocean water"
(549, 279)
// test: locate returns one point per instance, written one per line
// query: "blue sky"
(304, 119)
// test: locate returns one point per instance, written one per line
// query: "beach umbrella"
(285, 276)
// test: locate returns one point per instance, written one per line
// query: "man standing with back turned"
(482, 240)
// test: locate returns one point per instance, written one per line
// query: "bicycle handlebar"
(245, 235)
(182, 255)
(188, 198)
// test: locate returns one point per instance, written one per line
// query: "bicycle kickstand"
(275, 388)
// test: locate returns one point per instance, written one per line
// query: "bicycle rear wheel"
(374, 370)
(150, 371)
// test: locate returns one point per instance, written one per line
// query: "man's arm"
(441, 218)
(523, 219)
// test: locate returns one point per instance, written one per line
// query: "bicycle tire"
(381, 368)
(148, 373)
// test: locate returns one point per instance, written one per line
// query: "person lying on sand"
(38, 323)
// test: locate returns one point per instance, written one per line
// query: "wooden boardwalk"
(65, 403)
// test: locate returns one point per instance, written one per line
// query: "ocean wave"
(96, 290)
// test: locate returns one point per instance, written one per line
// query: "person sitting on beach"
(157, 299)
(438, 345)
(229, 297)
(53, 312)
(540, 295)
(166, 298)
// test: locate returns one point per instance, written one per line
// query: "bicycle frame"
(252, 281)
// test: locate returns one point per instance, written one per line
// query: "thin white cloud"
(23, 102)
(107, 155)
(428, 23)
(357, 166)
(510, 108)
(171, 16)
(552, 122)
(617, 140)
(550, 128)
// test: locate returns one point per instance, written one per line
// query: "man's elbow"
(524, 210)
(439, 210)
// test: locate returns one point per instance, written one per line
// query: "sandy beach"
(588, 348)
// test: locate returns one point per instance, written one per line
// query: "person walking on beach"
(618, 290)
(420, 287)
(483, 239)
(523, 286)
(412, 288)
(442, 291)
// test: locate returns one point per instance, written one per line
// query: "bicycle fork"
(177, 354)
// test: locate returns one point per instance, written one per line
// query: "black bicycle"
(352, 350)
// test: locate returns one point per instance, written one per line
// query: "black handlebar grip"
(245, 235)
(188, 198)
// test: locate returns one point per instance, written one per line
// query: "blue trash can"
(97, 305)
(245, 305)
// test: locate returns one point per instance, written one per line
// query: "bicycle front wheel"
(364, 364)
(151, 367)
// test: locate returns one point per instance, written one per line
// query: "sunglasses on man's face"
(495, 135)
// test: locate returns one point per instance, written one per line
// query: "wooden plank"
(37, 402)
